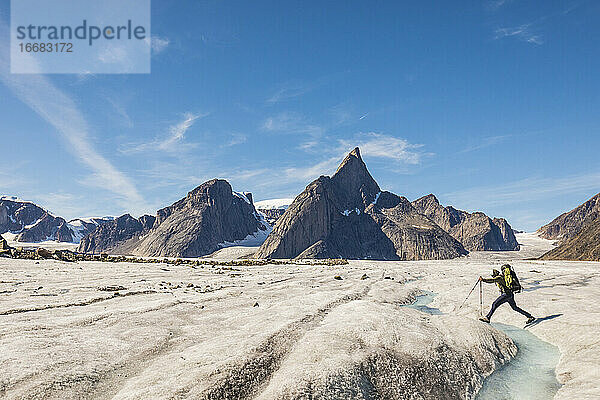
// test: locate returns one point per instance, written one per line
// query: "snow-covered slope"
(273, 204)
(83, 226)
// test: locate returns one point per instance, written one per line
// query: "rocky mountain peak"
(353, 180)
(429, 199)
(348, 216)
(209, 217)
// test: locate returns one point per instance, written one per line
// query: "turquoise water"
(528, 376)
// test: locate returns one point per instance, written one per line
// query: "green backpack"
(510, 279)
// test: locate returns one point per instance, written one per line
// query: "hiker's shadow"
(538, 320)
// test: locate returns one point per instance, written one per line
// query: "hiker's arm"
(489, 280)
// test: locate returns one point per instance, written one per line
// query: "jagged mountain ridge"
(210, 217)
(584, 246)
(115, 234)
(569, 224)
(347, 215)
(28, 222)
(476, 231)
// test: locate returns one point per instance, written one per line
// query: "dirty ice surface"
(137, 331)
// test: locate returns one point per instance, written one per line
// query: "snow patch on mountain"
(254, 239)
(243, 196)
(273, 204)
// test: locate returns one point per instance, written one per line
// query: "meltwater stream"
(529, 376)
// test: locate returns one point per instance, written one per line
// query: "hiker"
(508, 284)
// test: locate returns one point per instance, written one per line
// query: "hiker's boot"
(530, 320)
(484, 319)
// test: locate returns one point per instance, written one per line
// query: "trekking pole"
(463, 303)
(480, 299)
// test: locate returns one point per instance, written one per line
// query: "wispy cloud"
(114, 55)
(288, 92)
(529, 189)
(488, 141)
(235, 139)
(121, 113)
(377, 145)
(372, 145)
(524, 32)
(61, 111)
(177, 131)
(310, 172)
(291, 123)
(170, 142)
(494, 5)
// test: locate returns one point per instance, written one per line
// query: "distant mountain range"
(24, 221)
(210, 217)
(578, 233)
(476, 231)
(273, 209)
(346, 215)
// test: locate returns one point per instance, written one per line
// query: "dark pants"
(510, 299)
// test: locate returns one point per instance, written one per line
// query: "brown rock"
(570, 223)
(585, 246)
(4, 244)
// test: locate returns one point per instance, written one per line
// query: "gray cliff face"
(16, 215)
(585, 246)
(508, 233)
(445, 217)
(109, 236)
(194, 226)
(31, 223)
(348, 216)
(476, 231)
(570, 223)
(47, 228)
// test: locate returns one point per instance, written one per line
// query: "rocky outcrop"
(46, 228)
(202, 222)
(3, 244)
(147, 222)
(446, 217)
(584, 246)
(16, 215)
(210, 217)
(570, 223)
(114, 235)
(31, 223)
(348, 216)
(476, 231)
(508, 233)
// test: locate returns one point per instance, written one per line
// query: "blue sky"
(491, 105)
